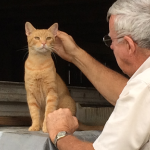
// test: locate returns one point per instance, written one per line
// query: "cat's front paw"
(34, 128)
(44, 129)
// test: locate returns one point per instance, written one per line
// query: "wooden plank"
(17, 109)
(15, 92)
(15, 121)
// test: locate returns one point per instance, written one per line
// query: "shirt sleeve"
(128, 127)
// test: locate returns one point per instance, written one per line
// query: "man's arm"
(70, 142)
(108, 82)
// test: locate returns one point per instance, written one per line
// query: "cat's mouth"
(43, 49)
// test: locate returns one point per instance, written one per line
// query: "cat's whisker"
(54, 50)
(51, 49)
(53, 54)
(25, 55)
(23, 49)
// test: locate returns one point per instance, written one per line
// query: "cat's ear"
(29, 28)
(54, 29)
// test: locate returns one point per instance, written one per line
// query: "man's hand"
(65, 46)
(61, 120)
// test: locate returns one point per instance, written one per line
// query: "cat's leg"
(51, 105)
(66, 101)
(34, 112)
(42, 113)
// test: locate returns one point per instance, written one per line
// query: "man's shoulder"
(144, 76)
(141, 81)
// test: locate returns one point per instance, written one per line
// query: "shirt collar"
(142, 68)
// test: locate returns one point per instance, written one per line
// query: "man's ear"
(130, 44)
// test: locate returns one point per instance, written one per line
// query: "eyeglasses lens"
(107, 40)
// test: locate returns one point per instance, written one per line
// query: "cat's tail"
(84, 127)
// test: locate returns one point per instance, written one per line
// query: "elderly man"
(128, 127)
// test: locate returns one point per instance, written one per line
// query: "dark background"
(85, 20)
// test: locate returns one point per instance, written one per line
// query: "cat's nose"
(43, 43)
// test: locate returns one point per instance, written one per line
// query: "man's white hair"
(132, 19)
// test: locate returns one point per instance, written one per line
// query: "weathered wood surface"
(14, 109)
(15, 121)
(15, 92)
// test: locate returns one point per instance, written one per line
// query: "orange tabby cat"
(45, 89)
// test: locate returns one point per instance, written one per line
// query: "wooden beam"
(15, 121)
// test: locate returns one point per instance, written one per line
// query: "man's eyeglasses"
(108, 41)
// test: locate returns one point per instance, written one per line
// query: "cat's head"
(41, 40)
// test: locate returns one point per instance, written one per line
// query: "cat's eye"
(48, 38)
(37, 38)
